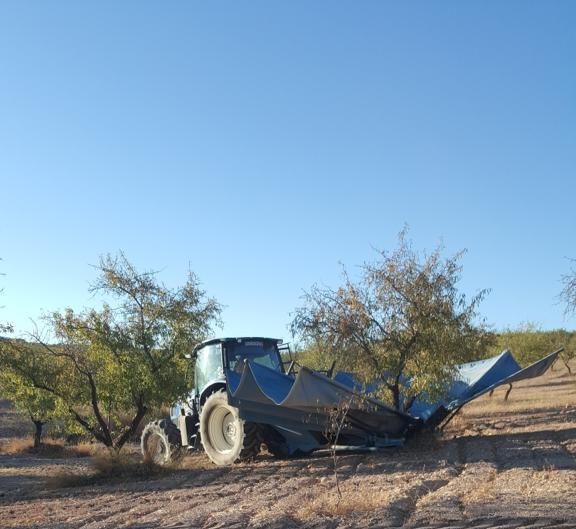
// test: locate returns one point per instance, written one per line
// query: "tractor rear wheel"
(161, 442)
(275, 443)
(226, 437)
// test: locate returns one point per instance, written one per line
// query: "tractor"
(206, 418)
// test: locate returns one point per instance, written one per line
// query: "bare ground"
(498, 465)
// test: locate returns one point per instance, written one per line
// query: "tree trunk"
(508, 392)
(567, 367)
(39, 425)
(409, 403)
(396, 397)
(140, 412)
(103, 436)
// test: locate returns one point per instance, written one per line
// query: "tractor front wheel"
(161, 442)
(226, 437)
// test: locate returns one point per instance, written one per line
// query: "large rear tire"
(226, 437)
(161, 442)
(275, 443)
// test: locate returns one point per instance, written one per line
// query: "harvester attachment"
(299, 411)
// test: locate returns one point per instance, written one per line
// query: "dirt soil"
(498, 465)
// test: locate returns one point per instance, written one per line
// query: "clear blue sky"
(260, 143)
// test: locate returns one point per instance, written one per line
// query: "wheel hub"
(229, 429)
(223, 429)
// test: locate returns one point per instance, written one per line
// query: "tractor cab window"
(208, 365)
(260, 352)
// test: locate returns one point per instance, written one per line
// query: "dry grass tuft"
(109, 466)
(196, 461)
(483, 491)
(112, 464)
(52, 448)
(16, 446)
(82, 449)
(354, 499)
(459, 423)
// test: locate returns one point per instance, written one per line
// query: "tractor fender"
(211, 387)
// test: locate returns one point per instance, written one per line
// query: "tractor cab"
(213, 357)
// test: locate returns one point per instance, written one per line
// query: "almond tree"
(568, 294)
(117, 361)
(41, 406)
(403, 323)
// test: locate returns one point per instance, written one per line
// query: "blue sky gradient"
(260, 144)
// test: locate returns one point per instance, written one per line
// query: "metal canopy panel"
(302, 408)
(304, 404)
(478, 378)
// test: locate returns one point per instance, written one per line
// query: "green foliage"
(17, 359)
(315, 355)
(38, 404)
(529, 343)
(569, 352)
(126, 357)
(403, 319)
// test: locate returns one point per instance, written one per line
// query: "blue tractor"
(206, 418)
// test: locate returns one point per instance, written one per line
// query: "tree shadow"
(568, 380)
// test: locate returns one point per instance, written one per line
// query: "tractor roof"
(237, 340)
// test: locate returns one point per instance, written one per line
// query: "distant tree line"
(529, 343)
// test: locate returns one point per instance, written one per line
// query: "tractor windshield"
(261, 352)
(208, 365)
